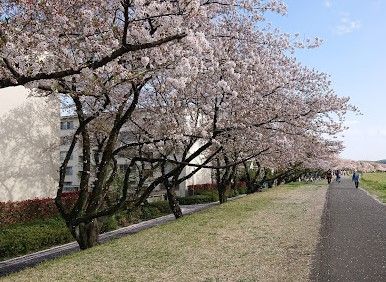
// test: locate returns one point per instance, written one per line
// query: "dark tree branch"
(22, 79)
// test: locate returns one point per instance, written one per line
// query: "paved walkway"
(19, 263)
(353, 237)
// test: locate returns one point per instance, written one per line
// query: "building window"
(123, 167)
(69, 187)
(69, 170)
(64, 125)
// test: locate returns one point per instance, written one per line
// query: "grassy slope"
(375, 183)
(265, 236)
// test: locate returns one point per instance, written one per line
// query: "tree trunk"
(173, 202)
(170, 193)
(221, 193)
(249, 181)
(223, 181)
(87, 234)
(279, 180)
(250, 186)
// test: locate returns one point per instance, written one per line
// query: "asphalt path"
(353, 236)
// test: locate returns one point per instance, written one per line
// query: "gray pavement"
(353, 237)
(19, 263)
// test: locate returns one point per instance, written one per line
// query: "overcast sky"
(354, 54)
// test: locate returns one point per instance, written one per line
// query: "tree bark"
(86, 234)
(250, 187)
(224, 179)
(173, 202)
(170, 193)
(251, 179)
(221, 193)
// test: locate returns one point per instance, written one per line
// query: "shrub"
(26, 237)
(161, 206)
(153, 210)
(198, 188)
(31, 210)
(108, 223)
(21, 239)
(197, 199)
(232, 193)
(149, 212)
(242, 189)
(33, 225)
(209, 193)
(134, 216)
(209, 188)
(144, 212)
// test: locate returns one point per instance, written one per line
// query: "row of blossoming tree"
(361, 166)
(204, 84)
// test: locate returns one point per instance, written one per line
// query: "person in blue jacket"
(355, 179)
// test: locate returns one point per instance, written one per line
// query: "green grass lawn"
(375, 183)
(268, 236)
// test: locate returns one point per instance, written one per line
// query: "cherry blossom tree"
(46, 40)
(363, 166)
(193, 83)
(101, 54)
(296, 104)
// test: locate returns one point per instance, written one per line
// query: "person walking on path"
(337, 174)
(355, 179)
(329, 176)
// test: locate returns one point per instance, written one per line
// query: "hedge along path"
(264, 236)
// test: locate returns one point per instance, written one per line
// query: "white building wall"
(203, 176)
(29, 145)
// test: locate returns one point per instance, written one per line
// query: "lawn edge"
(372, 195)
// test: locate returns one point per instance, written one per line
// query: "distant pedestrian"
(337, 174)
(355, 179)
(329, 176)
